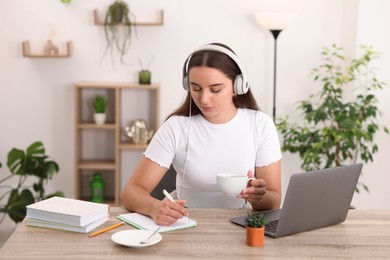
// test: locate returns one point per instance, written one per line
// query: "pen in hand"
(169, 197)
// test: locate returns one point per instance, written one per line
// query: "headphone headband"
(240, 84)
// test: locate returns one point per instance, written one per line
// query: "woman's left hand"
(255, 190)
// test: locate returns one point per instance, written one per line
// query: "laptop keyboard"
(271, 226)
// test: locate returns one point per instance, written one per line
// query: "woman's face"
(212, 92)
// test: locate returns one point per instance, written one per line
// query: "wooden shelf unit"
(85, 127)
(97, 20)
(28, 54)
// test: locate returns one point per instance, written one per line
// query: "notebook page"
(144, 222)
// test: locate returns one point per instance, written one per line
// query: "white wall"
(373, 30)
(36, 95)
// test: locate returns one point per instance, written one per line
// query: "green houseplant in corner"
(118, 29)
(255, 229)
(30, 164)
(100, 107)
(337, 129)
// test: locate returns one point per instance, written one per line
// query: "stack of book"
(67, 214)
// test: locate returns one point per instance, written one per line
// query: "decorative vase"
(100, 118)
(255, 236)
(145, 77)
(97, 187)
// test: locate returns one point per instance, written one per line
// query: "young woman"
(217, 129)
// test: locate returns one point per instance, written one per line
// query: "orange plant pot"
(255, 236)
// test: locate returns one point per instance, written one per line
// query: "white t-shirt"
(198, 150)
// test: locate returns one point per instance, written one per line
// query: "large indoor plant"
(30, 164)
(341, 121)
(118, 30)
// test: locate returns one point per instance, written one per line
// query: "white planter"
(100, 118)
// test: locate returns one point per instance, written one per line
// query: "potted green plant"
(255, 229)
(337, 130)
(145, 75)
(118, 29)
(26, 164)
(100, 106)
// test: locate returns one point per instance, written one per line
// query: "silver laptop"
(313, 200)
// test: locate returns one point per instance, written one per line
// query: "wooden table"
(365, 235)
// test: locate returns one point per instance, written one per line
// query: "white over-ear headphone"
(240, 84)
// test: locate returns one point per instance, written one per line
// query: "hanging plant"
(118, 29)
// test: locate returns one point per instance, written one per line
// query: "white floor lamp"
(275, 22)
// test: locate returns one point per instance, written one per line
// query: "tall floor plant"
(335, 129)
(32, 164)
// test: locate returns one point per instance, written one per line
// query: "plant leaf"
(17, 202)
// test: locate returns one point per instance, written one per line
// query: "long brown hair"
(223, 63)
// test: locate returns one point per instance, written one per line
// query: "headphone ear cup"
(186, 83)
(238, 87)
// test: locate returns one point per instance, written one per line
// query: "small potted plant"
(145, 75)
(100, 106)
(255, 229)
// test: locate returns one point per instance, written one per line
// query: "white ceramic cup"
(231, 184)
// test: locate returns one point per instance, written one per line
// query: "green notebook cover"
(146, 223)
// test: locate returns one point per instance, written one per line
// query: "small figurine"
(50, 48)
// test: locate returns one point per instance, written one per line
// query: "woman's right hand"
(167, 212)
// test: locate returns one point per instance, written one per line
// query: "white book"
(147, 223)
(67, 211)
(61, 226)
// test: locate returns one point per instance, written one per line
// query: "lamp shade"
(275, 20)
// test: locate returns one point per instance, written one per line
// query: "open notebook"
(144, 222)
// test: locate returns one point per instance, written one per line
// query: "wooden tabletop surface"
(364, 235)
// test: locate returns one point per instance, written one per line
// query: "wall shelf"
(130, 146)
(88, 135)
(93, 125)
(97, 20)
(27, 53)
(97, 164)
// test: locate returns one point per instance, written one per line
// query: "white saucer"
(132, 238)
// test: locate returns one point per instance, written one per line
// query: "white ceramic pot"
(100, 118)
